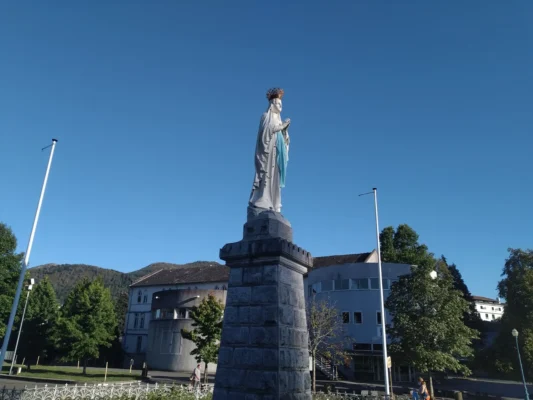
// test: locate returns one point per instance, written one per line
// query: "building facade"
(159, 305)
(489, 309)
(166, 349)
(141, 295)
(351, 284)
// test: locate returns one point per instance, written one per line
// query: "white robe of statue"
(266, 190)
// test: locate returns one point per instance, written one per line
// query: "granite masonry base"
(264, 347)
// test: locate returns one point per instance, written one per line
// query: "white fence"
(141, 391)
(137, 391)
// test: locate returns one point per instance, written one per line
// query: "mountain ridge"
(64, 277)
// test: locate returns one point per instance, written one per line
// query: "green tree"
(401, 246)
(39, 323)
(516, 288)
(471, 316)
(207, 319)
(87, 322)
(10, 265)
(115, 353)
(121, 308)
(428, 331)
(326, 334)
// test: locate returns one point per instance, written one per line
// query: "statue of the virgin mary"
(271, 156)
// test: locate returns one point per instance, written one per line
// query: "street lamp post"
(515, 335)
(32, 281)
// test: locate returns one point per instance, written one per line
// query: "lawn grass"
(75, 374)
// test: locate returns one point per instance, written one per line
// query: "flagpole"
(25, 261)
(381, 297)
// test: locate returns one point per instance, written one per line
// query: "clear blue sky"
(156, 107)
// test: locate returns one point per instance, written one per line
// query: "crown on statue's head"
(275, 93)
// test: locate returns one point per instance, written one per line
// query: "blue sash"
(283, 158)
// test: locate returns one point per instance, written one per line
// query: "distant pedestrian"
(423, 389)
(196, 376)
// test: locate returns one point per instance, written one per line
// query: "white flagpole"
(382, 300)
(26, 260)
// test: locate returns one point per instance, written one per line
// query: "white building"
(350, 282)
(134, 343)
(489, 309)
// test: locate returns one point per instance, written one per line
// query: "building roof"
(185, 275)
(329, 261)
(485, 299)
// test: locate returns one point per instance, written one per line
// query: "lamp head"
(514, 332)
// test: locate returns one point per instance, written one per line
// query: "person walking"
(196, 376)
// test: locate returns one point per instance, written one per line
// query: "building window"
(358, 284)
(362, 347)
(157, 314)
(136, 321)
(386, 284)
(139, 343)
(493, 316)
(345, 317)
(374, 283)
(487, 316)
(224, 287)
(216, 287)
(378, 347)
(139, 295)
(357, 317)
(182, 314)
(145, 299)
(378, 317)
(327, 286)
(482, 307)
(142, 321)
(342, 284)
(492, 308)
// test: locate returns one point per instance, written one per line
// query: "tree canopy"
(39, 323)
(87, 322)
(516, 288)
(471, 316)
(428, 327)
(401, 246)
(207, 330)
(10, 266)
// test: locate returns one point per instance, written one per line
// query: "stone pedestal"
(264, 348)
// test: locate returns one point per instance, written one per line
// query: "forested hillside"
(65, 276)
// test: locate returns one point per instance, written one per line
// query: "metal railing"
(326, 367)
